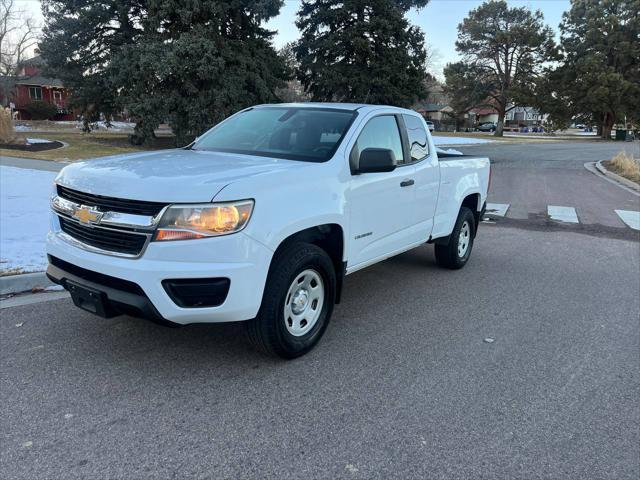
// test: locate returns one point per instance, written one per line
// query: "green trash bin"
(621, 134)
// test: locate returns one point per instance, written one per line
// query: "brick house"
(30, 85)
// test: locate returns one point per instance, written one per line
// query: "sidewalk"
(45, 165)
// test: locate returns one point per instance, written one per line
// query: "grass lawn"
(81, 146)
(625, 166)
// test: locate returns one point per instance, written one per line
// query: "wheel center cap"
(299, 301)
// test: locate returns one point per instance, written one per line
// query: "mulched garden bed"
(33, 147)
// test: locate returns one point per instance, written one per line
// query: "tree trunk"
(608, 120)
(500, 122)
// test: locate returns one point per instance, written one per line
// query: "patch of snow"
(116, 126)
(38, 140)
(54, 288)
(123, 125)
(448, 151)
(24, 216)
(23, 128)
(459, 140)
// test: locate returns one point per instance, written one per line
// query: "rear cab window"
(417, 137)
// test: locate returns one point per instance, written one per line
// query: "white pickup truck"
(261, 218)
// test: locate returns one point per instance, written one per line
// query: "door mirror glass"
(374, 160)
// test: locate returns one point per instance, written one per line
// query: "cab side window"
(379, 132)
(417, 136)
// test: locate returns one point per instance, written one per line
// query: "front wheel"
(297, 303)
(456, 252)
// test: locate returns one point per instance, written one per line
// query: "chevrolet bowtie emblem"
(87, 215)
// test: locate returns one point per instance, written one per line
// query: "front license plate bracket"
(90, 299)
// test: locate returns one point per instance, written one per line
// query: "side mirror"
(374, 160)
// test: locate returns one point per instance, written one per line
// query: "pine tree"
(198, 62)
(507, 49)
(601, 70)
(466, 89)
(80, 40)
(361, 51)
(188, 63)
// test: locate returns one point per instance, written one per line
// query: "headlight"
(183, 222)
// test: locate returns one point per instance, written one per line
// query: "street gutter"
(625, 181)
(25, 282)
(32, 163)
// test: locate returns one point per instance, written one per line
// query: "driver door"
(380, 204)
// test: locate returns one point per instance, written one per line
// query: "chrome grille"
(110, 204)
(108, 239)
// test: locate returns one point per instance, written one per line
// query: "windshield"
(307, 134)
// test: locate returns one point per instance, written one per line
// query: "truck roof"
(337, 105)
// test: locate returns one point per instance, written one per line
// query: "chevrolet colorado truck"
(261, 218)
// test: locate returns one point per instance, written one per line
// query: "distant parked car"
(487, 127)
(580, 126)
(430, 126)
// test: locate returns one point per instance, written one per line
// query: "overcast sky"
(439, 20)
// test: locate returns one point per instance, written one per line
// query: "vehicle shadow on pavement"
(139, 343)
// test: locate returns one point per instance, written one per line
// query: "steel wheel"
(303, 303)
(464, 239)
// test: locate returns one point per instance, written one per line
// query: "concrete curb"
(23, 283)
(614, 176)
(32, 163)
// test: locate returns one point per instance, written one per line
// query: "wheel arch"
(330, 238)
(473, 202)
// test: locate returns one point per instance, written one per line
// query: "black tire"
(267, 331)
(447, 255)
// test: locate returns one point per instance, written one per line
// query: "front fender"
(302, 199)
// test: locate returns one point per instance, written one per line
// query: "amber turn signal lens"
(177, 235)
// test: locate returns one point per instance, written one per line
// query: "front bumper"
(238, 257)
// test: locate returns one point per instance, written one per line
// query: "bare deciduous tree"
(19, 33)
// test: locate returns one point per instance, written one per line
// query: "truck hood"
(168, 176)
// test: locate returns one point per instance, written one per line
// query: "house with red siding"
(30, 85)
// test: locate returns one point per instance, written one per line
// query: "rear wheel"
(297, 303)
(456, 252)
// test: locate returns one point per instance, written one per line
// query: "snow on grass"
(38, 140)
(23, 128)
(121, 125)
(459, 140)
(114, 126)
(24, 218)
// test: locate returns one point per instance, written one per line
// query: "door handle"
(407, 183)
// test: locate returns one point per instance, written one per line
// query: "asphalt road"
(531, 176)
(525, 364)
